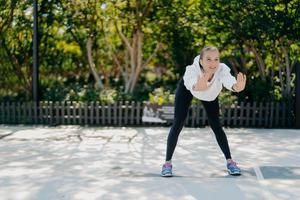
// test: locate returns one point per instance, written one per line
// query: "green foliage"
(108, 96)
(62, 91)
(227, 98)
(260, 38)
(160, 96)
(258, 90)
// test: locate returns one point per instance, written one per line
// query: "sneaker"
(233, 169)
(166, 170)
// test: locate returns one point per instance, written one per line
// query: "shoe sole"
(166, 175)
(234, 174)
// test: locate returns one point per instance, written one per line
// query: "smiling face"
(210, 61)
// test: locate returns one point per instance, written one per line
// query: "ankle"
(168, 162)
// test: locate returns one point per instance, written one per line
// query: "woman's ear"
(200, 61)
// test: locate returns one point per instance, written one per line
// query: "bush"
(108, 96)
(160, 96)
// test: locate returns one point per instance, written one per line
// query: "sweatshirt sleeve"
(190, 77)
(227, 79)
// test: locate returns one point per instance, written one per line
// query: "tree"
(265, 30)
(130, 23)
(16, 48)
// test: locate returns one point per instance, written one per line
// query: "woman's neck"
(202, 69)
(211, 77)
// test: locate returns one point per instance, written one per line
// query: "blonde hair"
(208, 48)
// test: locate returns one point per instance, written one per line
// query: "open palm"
(240, 82)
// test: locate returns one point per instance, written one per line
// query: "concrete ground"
(73, 162)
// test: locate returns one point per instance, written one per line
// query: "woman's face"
(210, 61)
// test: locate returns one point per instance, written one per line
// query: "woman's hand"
(202, 82)
(240, 82)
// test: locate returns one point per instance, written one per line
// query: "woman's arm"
(189, 77)
(240, 82)
(201, 82)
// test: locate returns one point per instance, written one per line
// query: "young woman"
(204, 80)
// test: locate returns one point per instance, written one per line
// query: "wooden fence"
(267, 114)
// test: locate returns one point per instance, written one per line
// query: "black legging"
(183, 100)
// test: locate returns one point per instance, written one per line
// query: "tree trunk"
(280, 73)
(233, 64)
(260, 62)
(92, 67)
(288, 73)
(138, 59)
(25, 82)
(243, 60)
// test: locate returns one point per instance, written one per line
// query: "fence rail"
(262, 114)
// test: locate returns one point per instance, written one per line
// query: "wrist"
(234, 88)
(196, 87)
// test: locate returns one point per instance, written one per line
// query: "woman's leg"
(183, 99)
(212, 110)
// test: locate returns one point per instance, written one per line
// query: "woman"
(204, 80)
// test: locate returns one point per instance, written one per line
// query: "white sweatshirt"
(222, 77)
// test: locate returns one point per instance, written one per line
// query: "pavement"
(76, 162)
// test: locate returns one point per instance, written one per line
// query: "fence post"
(35, 111)
(297, 66)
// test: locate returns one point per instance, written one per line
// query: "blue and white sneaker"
(166, 170)
(233, 169)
